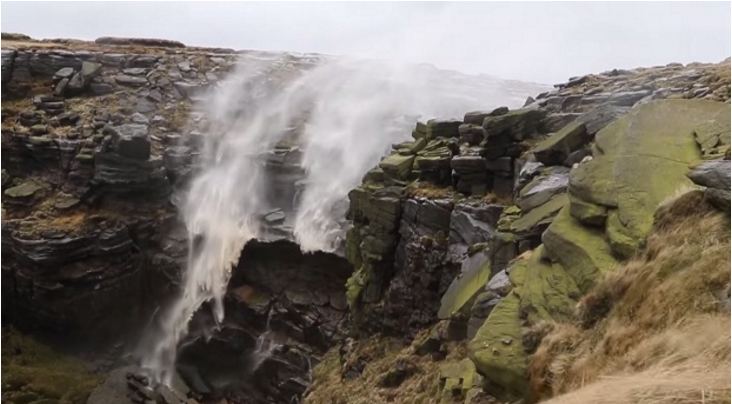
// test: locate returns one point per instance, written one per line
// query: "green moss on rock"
(581, 250)
(548, 291)
(587, 212)
(397, 166)
(557, 147)
(539, 215)
(464, 289)
(497, 350)
(640, 160)
(520, 124)
(24, 190)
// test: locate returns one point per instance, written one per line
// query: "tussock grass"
(430, 191)
(652, 331)
(381, 355)
(33, 372)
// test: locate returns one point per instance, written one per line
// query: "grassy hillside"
(656, 330)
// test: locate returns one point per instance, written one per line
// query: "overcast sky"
(542, 42)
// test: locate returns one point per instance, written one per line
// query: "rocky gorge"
(465, 235)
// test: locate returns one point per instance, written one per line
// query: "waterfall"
(265, 346)
(351, 109)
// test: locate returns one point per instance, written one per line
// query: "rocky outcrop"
(624, 175)
(577, 174)
(154, 42)
(638, 160)
(86, 217)
(715, 176)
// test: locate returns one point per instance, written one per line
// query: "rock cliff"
(505, 219)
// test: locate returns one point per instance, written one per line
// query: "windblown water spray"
(221, 206)
(352, 109)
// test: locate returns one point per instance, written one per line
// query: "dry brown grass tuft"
(382, 354)
(652, 331)
(430, 191)
(502, 199)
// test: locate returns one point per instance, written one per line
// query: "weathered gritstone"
(638, 161)
(641, 159)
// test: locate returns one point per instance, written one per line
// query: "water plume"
(346, 113)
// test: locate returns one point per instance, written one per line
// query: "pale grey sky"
(543, 42)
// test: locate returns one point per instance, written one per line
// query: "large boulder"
(715, 175)
(131, 140)
(470, 225)
(397, 166)
(580, 249)
(600, 117)
(548, 291)
(551, 182)
(639, 160)
(497, 350)
(536, 219)
(518, 124)
(542, 290)
(713, 137)
(473, 276)
(557, 147)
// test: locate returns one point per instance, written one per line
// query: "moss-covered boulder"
(581, 250)
(497, 350)
(556, 148)
(548, 291)
(24, 190)
(443, 128)
(456, 379)
(539, 216)
(459, 297)
(25, 194)
(587, 212)
(713, 136)
(641, 159)
(542, 291)
(517, 124)
(397, 166)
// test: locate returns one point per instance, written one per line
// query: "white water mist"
(354, 111)
(220, 209)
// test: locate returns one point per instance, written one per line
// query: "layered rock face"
(87, 222)
(527, 208)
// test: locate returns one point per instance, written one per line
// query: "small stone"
(60, 88)
(23, 190)
(64, 73)
(507, 341)
(90, 70)
(155, 95)
(66, 203)
(76, 84)
(144, 106)
(139, 118)
(39, 129)
(127, 80)
(135, 71)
